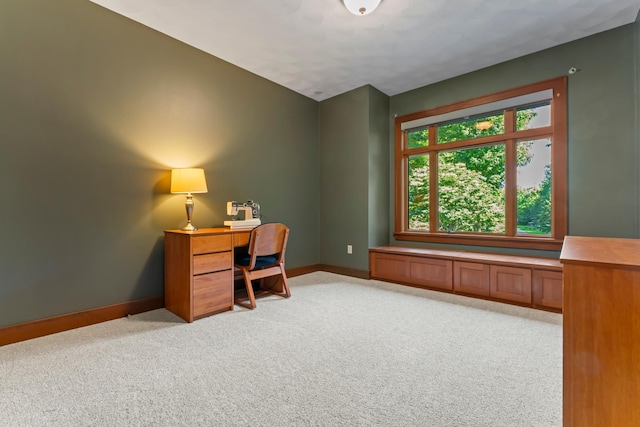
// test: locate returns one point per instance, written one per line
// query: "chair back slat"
(268, 239)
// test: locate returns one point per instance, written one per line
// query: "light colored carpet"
(340, 352)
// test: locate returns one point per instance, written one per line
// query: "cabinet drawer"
(432, 272)
(212, 292)
(427, 272)
(208, 244)
(471, 278)
(511, 283)
(393, 267)
(547, 288)
(211, 262)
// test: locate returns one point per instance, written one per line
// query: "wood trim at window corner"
(510, 160)
(556, 84)
(398, 132)
(510, 189)
(400, 169)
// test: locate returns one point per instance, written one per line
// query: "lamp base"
(189, 206)
(189, 227)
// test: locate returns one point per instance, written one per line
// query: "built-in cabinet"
(601, 331)
(530, 281)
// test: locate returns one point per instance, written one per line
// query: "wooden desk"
(601, 326)
(198, 270)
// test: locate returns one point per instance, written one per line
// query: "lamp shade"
(189, 180)
(361, 7)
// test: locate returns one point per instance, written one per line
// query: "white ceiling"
(317, 48)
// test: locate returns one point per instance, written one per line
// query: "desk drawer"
(212, 292)
(211, 262)
(208, 244)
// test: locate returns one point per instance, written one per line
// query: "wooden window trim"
(557, 129)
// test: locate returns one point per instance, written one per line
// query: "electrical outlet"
(349, 249)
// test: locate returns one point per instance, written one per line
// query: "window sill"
(538, 243)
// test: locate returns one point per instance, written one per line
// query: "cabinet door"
(511, 283)
(391, 267)
(425, 272)
(471, 278)
(431, 272)
(547, 288)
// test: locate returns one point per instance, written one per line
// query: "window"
(488, 171)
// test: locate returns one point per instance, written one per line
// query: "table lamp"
(187, 181)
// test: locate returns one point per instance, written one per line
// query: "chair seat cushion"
(261, 261)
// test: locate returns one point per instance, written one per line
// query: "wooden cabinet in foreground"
(529, 281)
(601, 330)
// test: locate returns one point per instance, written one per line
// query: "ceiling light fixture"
(361, 7)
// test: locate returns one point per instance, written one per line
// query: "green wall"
(95, 109)
(354, 194)
(603, 193)
(342, 138)
(378, 172)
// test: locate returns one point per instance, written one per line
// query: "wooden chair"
(264, 257)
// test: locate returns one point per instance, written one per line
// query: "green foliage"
(486, 161)
(419, 138)
(527, 200)
(471, 181)
(523, 117)
(419, 193)
(534, 206)
(467, 202)
(466, 128)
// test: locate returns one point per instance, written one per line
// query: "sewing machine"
(251, 214)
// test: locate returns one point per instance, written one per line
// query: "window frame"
(557, 131)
